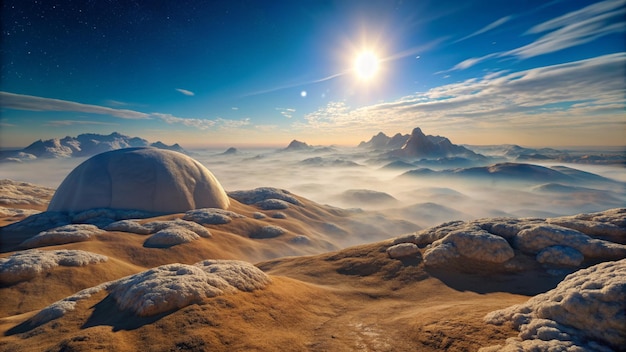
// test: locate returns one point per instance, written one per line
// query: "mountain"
(297, 146)
(420, 145)
(86, 144)
(384, 142)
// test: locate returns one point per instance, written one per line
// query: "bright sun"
(366, 65)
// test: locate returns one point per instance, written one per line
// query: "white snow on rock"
(62, 235)
(130, 226)
(174, 286)
(502, 240)
(198, 229)
(403, 250)
(585, 312)
(608, 225)
(25, 265)
(241, 275)
(261, 194)
(171, 236)
(211, 216)
(560, 256)
(60, 308)
(146, 179)
(272, 204)
(279, 215)
(537, 237)
(22, 193)
(471, 242)
(269, 231)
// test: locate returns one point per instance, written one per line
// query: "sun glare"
(366, 65)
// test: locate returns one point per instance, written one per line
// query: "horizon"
(281, 145)
(222, 74)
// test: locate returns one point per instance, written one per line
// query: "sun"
(366, 65)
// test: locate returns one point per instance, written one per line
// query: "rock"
(171, 236)
(24, 265)
(403, 250)
(585, 312)
(62, 235)
(560, 256)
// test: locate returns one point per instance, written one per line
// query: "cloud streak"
(185, 92)
(33, 103)
(566, 31)
(64, 123)
(487, 28)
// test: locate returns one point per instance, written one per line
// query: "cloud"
(33, 103)
(572, 29)
(564, 95)
(286, 112)
(6, 124)
(201, 124)
(62, 123)
(575, 28)
(487, 28)
(186, 92)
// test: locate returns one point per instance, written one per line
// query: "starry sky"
(254, 73)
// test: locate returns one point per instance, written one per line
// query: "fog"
(354, 178)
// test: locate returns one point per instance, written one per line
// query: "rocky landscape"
(174, 262)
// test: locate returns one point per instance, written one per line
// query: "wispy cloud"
(6, 124)
(286, 112)
(562, 95)
(186, 92)
(64, 123)
(572, 29)
(487, 28)
(33, 103)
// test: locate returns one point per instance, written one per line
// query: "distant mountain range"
(83, 145)
(515, 172)
(420, 149)
(418, 145)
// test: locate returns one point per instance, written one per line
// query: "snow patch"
(261, 194)
(25, 265)
(174, 286)
(211, 216)
(171, 236)
(269, 231)
(62, 235)
(586, 312)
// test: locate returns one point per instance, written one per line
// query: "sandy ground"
(356, 298)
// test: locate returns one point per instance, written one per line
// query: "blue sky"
(239, 73)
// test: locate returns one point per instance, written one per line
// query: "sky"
(261, 73)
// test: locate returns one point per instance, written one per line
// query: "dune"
(325, 279)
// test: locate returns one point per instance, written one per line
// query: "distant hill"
(517, 172)
(512, 152)
(82, 145)
(297, 146)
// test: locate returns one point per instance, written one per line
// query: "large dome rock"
(148, 179)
